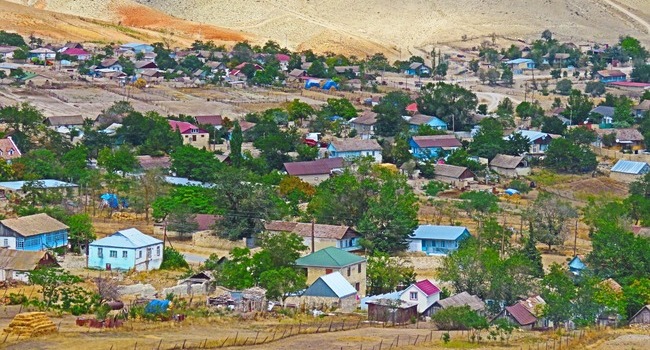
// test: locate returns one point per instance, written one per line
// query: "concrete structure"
(15, 265)
(33, 233)
(342, 237)
(316, 171)
(330, 260)
(331, 290)
(457, 176)
(192, 135)
(125, 250)
(628, 171)
(436, 239)
(351, 149)
(510, 166)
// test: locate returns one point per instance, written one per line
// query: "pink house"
(80, 54)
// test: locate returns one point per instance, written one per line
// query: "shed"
(391, 310)
(16, 264)
(510, 166)
(332, 289)
(458, 176)
(628, 171)
(576, 265)
(461, 299)
(642, 316)
(519, 315)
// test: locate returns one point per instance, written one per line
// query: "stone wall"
(347, 304)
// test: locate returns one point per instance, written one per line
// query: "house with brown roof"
(457, 176)
(351, 149)
(315, 171)
(419, 120)
(15, 265)
(526, 314)
(8, 149)
(214, 120)
(68, 121)
(461, 299)
(342, 237)
(625, 139)
(433, 146)
(364, 124)
(610, 76)
(642, 108)
(33, 232)
(510, 166)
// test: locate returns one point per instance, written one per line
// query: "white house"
(125, 250)
(350, 149)
(424, 293)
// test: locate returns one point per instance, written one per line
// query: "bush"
(173, 259)
(520, 186)
(434, 187)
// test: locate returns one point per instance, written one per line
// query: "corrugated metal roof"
(532, 135)
(314, 167)
(45, 183)
(352, 145)
(521, 314)
(329, 257)
(449, 233)
(22, 260)
(442, 141)
(338, 284)
(630, 167)
(427, 287)
(506, 161)
(32, 225)
(129, 238)
(475, 303)
(183, 181)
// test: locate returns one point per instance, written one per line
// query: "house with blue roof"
(436, 239)
(538, 140)
(518, 65)
(33, 233)
(126, 250)
(628, 171)
(418, 120)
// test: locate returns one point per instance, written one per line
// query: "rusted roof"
(8, 149)
(420, 119)
(65, 120)
(506, 161)
(612, 284)
(442, 141)
(475, 303)
(206, 221)
(314, 167)
(521, 314)
(367, 118)
(214, 120)
(350, 145)
(304, 229)
(533, 304)
(32, 225)
(458, 172)
(23, 260)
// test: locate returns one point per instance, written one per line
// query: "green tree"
(449, 102)
(528, 110)
(558, 291)
(299, 110)
(11, 39)
(340, 107)
(553, 125)
(52, 282)
(581, 136)
(488, 141)
(386, 274)
(623, 113)
(640, 73)
(24, 122)
(182, 221)
(341, 200)
(551, 221)
(492, 76)
(74, 163)
(389, 113)
(40, 164)
(317, 69)
(564, 87)
(507, 77)
(565, 156)
(595, 88)
(80, 231)
(121, 160)
(578, 107)
(173, 260)
(236, 140)
(194, 163)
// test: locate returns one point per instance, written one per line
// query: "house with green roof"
(329, 260)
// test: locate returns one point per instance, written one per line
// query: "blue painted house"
(435, 239)
(125, 250)
(520, 64)
(417, 68)
(433, 146)
(418, 120)
(576, 266)
(33, 233)
(610, 76)
(355, 148)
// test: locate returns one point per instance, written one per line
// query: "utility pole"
(575, 239)
(313, 224)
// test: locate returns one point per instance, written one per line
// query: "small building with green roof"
(329, 260)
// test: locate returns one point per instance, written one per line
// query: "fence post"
(380, 343)
(398, 340)
(299, 326)
(256, 335)
(330, 329)
(236, 335)
(135, 346)
(416, 340)
(158, 348)
(183, 347)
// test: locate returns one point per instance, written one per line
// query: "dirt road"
(645, 24)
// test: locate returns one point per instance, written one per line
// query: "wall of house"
(458, 183)
(642, 318)
(355, 277)
(432, 246)
(149, 258)
(198, 140)
(512, 173)
(8, 242)
(117, 263)
(421, 298)
(37, 242)
(314, 179)
(622, 177)
(347, 304)
(356, 154)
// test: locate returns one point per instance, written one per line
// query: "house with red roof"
(284, 61)
(526, 314)
(191, 134)
(8, 149)
(80, 54)
(423, 292)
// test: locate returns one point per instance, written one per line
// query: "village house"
(364, 124)
(457, 176)
(642, 316)
(192, 135)
(342, 237)
(65, 121)
(628, 139)
(15, 265)
(392, 311)
(417, 68)
(331, 290)
(149, 162)
(520, 65)
(423, 293)
(606, 114)
(9, 150)
(329, 260)
(79, 54)
(7, 52)
(510, 166)
(213, 120)
(419, 120)
(17, 188)
(526, 314)
(42, 54)
(315, 171)
(351, 149)
(433, 146)
(461, 299)
(436, 239)
(610, 76)
(642, 108)
(347, 69)
(110, 64)
(136, 47)
(538, 141)
(33, 232)
(125, 250)
(628, 171)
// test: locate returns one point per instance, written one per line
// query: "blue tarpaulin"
(511, 191)
(312, 83)
(111, 199)
(157, 306)
(330, 84)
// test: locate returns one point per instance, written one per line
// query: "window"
(100, 252)
(5, 242)
(158, 251)
(20, 244)
(357, 286)
(359, 268)
(125, 254)
(193, 137)
(413, 295)
(328, 271)
(113, 253)
(139, 254)
(349, 271)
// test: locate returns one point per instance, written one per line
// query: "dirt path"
(630, 14)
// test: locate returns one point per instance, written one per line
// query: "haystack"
(30, 324)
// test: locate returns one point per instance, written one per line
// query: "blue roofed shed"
(332, 289)
(436, 239)
(125, 250)
(628, 171)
